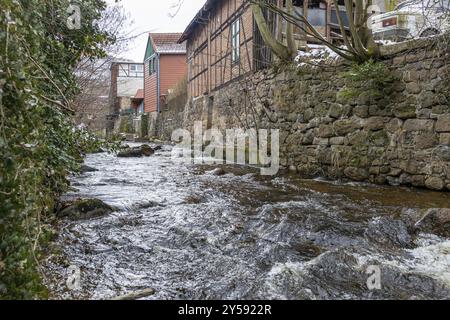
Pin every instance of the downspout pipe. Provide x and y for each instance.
(158, 82)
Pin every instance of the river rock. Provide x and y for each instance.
(87, 169)
(137, 152)
(357, 174)
(146, 205)
(389, 232)
(97, 151)
(436, 221)
(84, 209)
(435, 183)
(217, 172)
(410, 217)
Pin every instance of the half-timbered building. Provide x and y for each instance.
(224, 43)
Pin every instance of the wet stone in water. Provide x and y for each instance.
(436, 221)
(137, 152)
(87, 169)
(217, 172)
(389, 232)
(86, 209)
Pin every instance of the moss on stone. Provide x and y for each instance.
(86, 209)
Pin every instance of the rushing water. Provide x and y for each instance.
(192, 235)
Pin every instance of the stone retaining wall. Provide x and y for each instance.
(399, 137)
(171, 117)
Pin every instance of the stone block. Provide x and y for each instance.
(325, 131)
(361, 111)
(375, 123)
(426, 140)
(321, 141)
(345, 126)
(435, 183)
(394, 125)
(443, 123)
(427, 99)
(444, 139)
(424, 114)
(418, 181)
(443, 152)
(405, 110)
(357, 174)
(418, 125)
(413, 88)
(337, 141)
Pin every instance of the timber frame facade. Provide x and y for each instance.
(224, 43)
(212, 60)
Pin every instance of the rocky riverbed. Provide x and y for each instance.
(190, 233)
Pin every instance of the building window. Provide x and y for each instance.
(152, 66)
(136, 68)
(236, 42)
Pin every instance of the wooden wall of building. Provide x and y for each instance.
(150, 89)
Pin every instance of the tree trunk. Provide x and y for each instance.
(292, 47)
(360, 45)
(279, 49)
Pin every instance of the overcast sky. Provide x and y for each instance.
(153, 16)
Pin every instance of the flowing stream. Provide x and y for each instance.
(190, 234)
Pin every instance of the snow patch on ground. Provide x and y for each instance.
(386, 42)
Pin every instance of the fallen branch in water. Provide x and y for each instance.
(136, 295)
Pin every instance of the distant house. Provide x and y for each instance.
(224, 42)
(126, 79)
(165, 66)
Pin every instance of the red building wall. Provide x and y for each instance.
(173, 68)
(150, 90)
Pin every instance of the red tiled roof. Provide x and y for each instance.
(167, 42)
(165, 38)
(139, 94)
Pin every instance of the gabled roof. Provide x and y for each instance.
(139, 95)
(197, 19)
(165, 43)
